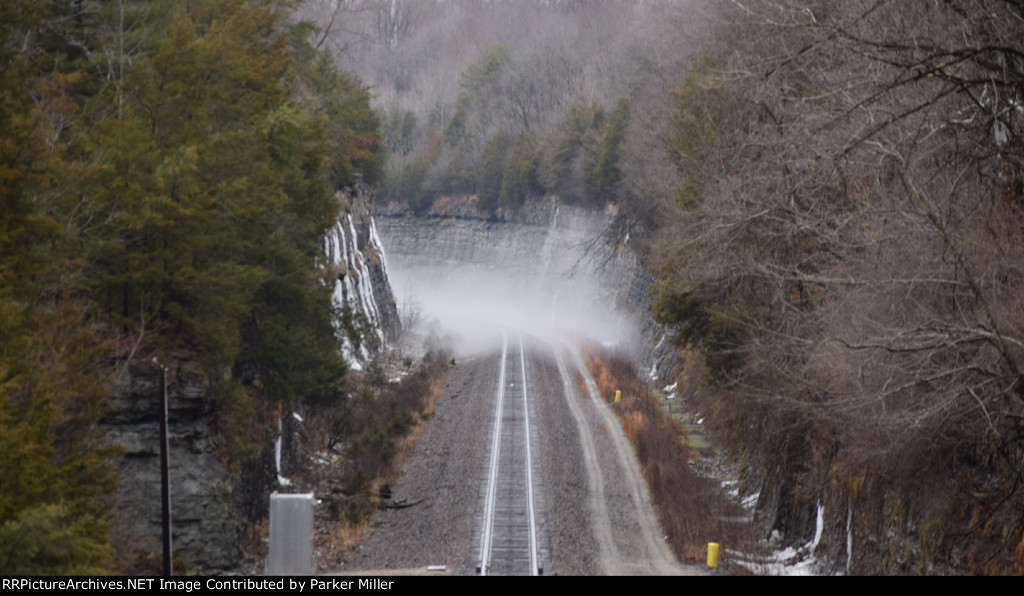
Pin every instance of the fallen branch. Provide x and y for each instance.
(399, 505)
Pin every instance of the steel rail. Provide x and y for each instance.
(534, 567)
(492, 474)
(502, 523)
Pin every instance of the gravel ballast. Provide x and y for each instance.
(591, 512)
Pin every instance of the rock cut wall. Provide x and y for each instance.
(357, 261)
(547, 267)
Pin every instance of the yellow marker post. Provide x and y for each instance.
(713, 555)
(618, 395)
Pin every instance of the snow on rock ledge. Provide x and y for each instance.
(362, 292)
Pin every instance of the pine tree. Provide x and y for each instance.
(166, 179)
(561, 169)
(608, 171)
(491, 170)
(51, 391)
(520, 179)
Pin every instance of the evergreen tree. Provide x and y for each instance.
(355, 148)
(491, 170)
(608, 170)
(561, 170)
(218, 178)
(166, 174)
(50, 390)
(520, 179)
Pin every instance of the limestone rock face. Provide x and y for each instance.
(545, 267)
(358, 266)
(209, 501)
(206, 527)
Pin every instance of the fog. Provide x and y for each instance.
(451, 79)
(464, 307)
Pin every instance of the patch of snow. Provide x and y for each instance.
(819, 526)
(378, 246)
(790, 560)
(277, 457)
(353, 288)
(849, 536)
(1001, 133)
(732, 487)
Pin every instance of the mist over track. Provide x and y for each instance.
(552, 273)
(596, 515)
(549, 281)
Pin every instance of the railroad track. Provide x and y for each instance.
(510, 536)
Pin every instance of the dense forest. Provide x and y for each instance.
(167, 171)
(845, 253)
(831, 194)
(503, 103)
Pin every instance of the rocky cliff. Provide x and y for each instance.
(207, 525)
(211, 501)
(358, 266)
(548, 268)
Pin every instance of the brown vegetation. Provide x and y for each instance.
(690, 507)
(350, 458)
(581, 385)
(405, 407)
(846, 257)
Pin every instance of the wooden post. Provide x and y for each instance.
(165, 479)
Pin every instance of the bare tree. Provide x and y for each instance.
(851, 261)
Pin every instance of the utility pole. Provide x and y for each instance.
(165, 481)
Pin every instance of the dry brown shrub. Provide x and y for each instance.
(690, 507)
(419, 394)
(581, 386)
(633, 422)
(1018, 556)
(606, 384)
(350, 517)
(335, 538)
